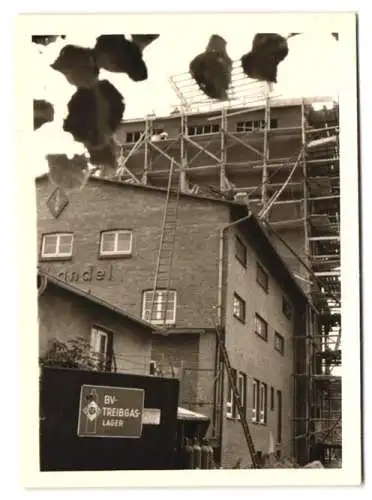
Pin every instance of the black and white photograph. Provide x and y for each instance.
(196, 311)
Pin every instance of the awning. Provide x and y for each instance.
(183, 414)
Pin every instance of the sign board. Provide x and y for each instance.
(114, 412)
(151, 416)
(57, 202)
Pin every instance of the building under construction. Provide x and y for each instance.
(185, 178)
(281, 158)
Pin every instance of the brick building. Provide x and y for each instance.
(119, 340)
(282, 157)
(105, 242)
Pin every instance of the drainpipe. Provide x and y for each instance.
(221, 320)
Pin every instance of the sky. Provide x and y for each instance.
(310, 69)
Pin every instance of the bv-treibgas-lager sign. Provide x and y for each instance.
(114, 412)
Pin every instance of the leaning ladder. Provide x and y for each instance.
(163, 267)
(236, 396)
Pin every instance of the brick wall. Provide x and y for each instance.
(64, 316)
(192, 357)
(103, 206)
(255, 357)
(179, 352)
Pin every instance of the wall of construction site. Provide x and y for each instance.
(244, 166)
(106, 205)
(286, 117)
(245, 169)
(261, 361)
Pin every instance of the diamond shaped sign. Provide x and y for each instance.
(57, 202)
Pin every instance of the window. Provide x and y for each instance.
(239, 308)
(279, 343)
(240, 251)
(164, 309)
(240, 380)
(263, 403)
(262, 277)
(280, 418)
(242, 389)
(274, 123)
(272, 396)
(260, 327)
(250, 125)
(259, 402)
(255, 400)
(230, 406)
(152, 367)
(101, 348)
(286, 308)
(57, 245)
(203, 129)
(133, 136)
(116, 243)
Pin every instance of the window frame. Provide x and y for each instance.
(230, 404)
(279, 396)
(287, 308)
(272, 398)
(260, 271)
(260, 404)
(133, 134)
(242, 389)
(56, 255)
(115, 253)
(203, 129)
(253, 125)
(241, 303)
(102, 361)
(278, 336)
(255, 400)
(238, 241)
(263, 405)
(264, 322)
(155, 322)
(274, 123)
(244, 126)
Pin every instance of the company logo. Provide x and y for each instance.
(92, 411)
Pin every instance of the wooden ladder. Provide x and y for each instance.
(164, 262)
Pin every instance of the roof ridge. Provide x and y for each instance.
(121, 183)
